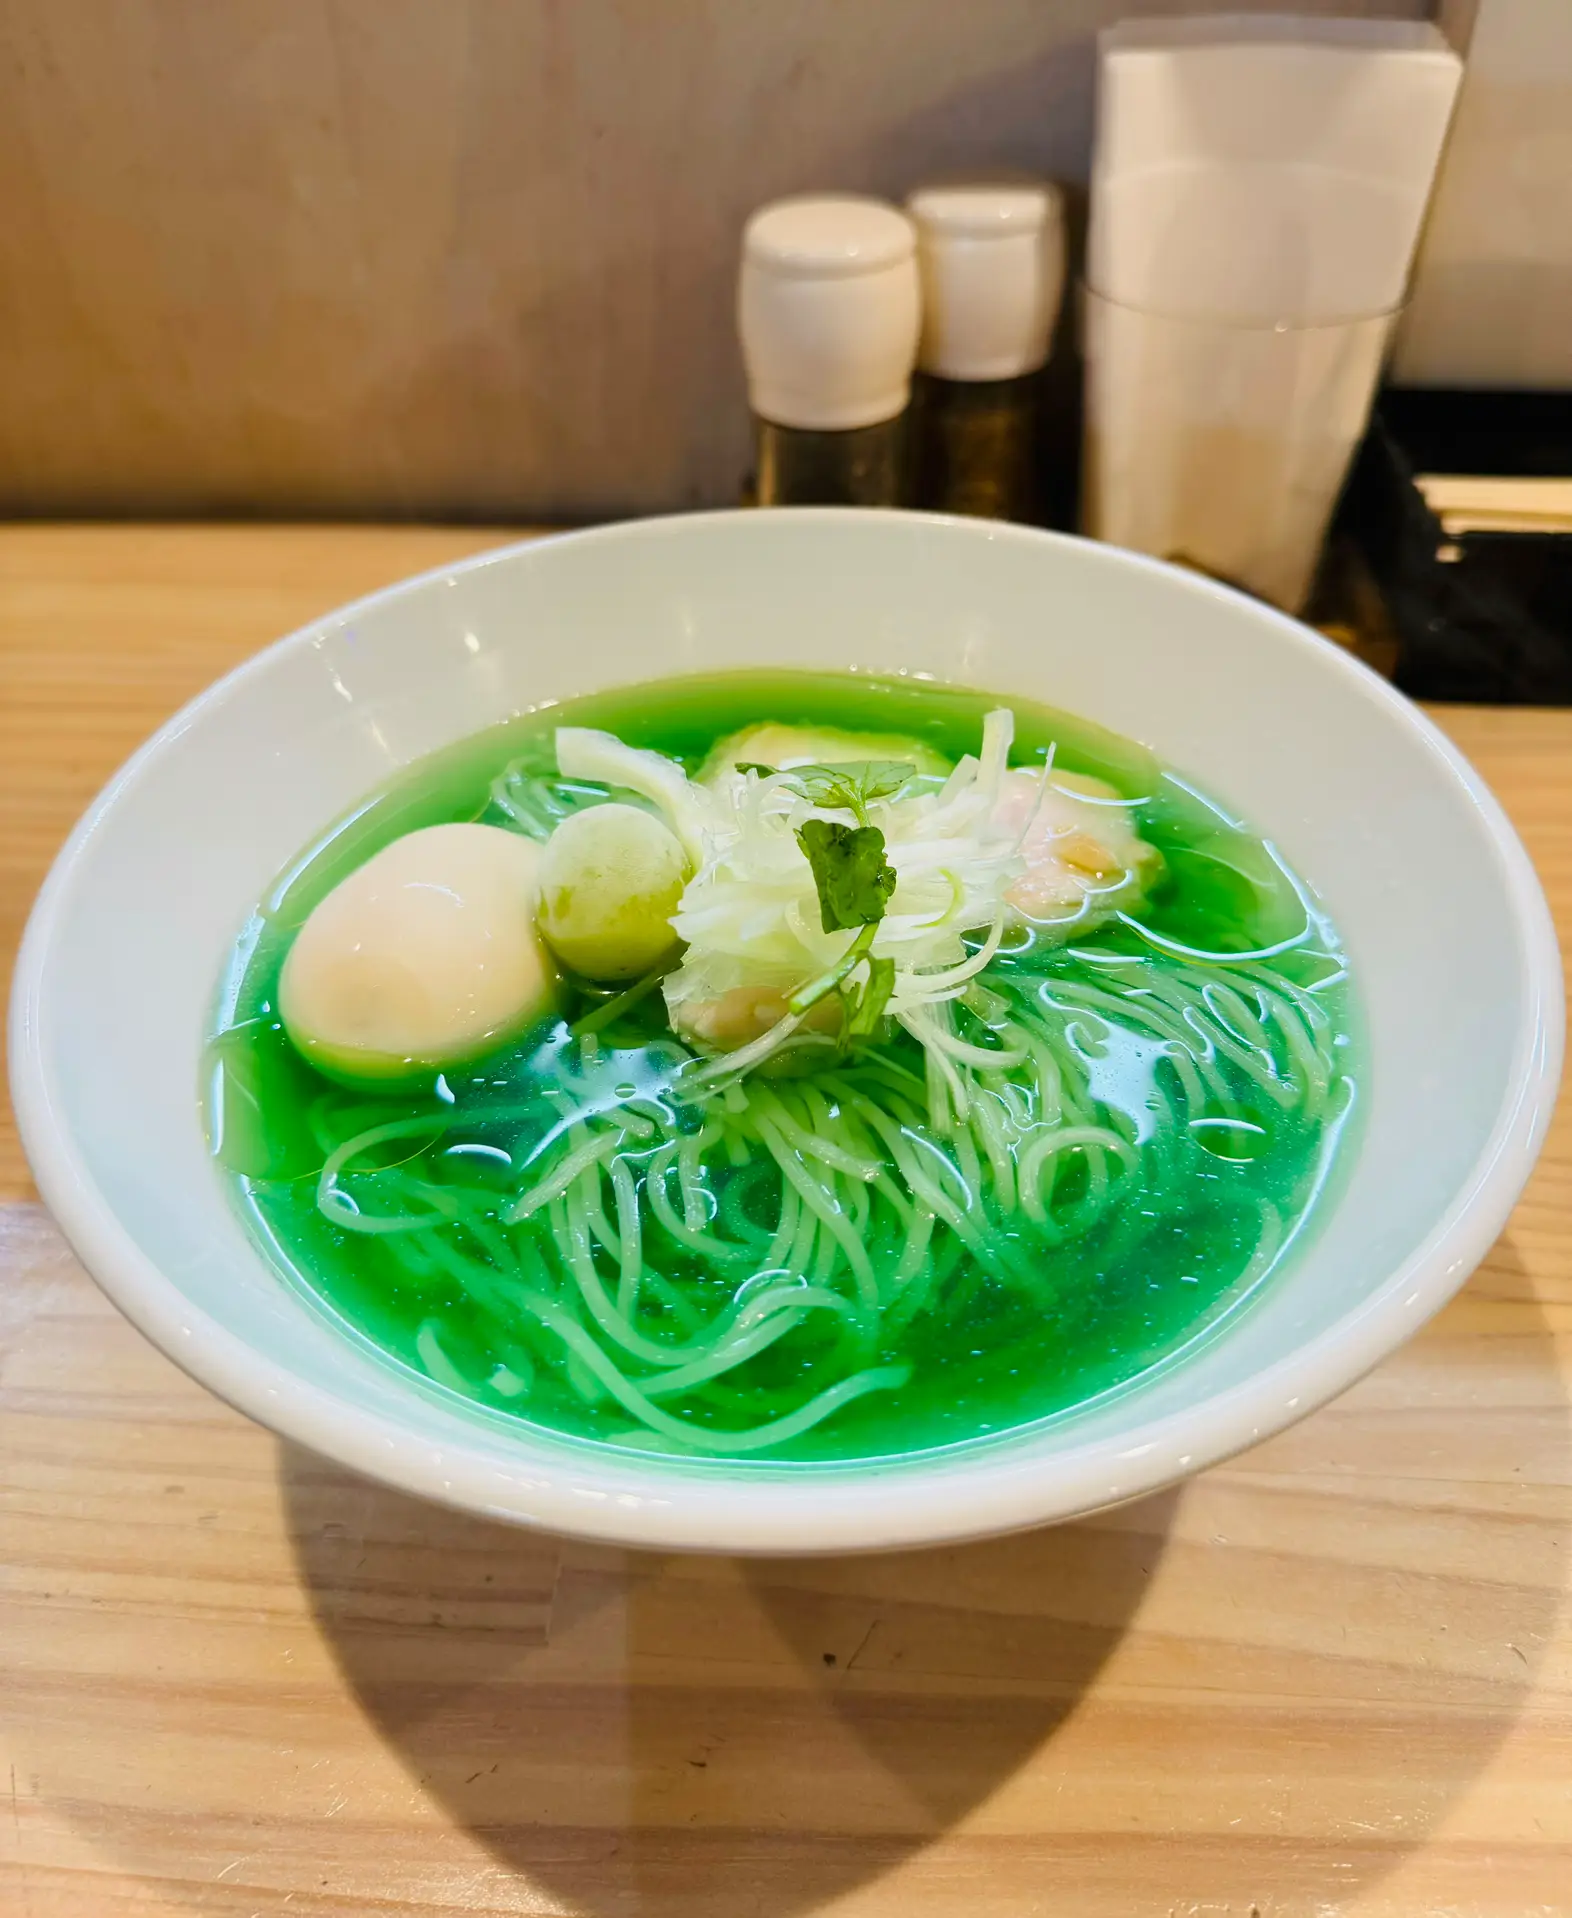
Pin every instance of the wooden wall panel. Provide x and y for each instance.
(438, 257)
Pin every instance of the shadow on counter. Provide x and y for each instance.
(636, 1734)
(691, 1737)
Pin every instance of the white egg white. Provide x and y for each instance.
(425, 957)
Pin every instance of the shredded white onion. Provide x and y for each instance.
(750, 916)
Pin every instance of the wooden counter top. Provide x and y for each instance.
(1333, 1677)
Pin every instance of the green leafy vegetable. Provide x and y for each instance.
(850, 788)
(853, 876)
(855, 881)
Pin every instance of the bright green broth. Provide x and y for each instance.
(1201, 1214)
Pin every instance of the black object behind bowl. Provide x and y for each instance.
(1482, 616)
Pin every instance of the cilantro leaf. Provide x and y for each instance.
(854, 880)
(849, 788)
(853, 876)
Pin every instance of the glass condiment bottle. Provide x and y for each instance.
(991, 259)
(828, 309)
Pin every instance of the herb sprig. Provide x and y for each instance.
(842, 788)
(854, 881)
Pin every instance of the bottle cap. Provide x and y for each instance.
(992, 260)
(829, 308)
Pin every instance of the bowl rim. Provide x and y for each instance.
(844, 1509)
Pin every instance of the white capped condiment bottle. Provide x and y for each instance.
(991, 259)
(828, 309)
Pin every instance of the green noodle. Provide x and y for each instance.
(608, 1234)
(791, 1182)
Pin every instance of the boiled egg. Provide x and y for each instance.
(425, 957)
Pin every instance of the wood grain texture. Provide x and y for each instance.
(1332, 1679)
(452, 258)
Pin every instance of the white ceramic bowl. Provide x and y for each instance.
(1452, 946)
